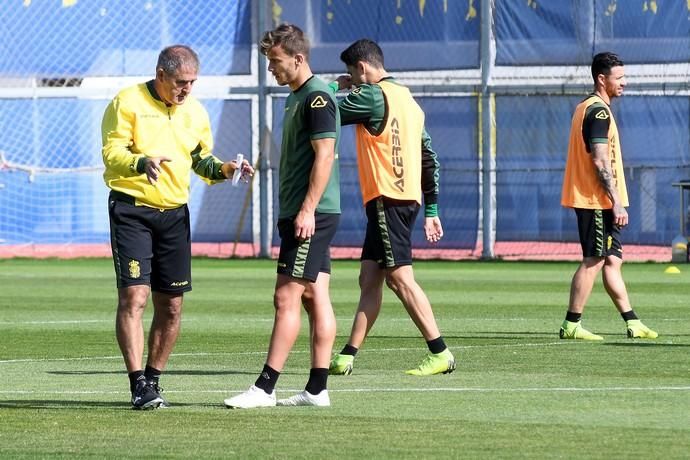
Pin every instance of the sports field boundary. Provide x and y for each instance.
(512, 250)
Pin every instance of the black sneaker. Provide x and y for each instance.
(164, 404)
(146, 396)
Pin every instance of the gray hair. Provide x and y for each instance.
(174, 57)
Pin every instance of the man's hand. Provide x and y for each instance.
(152, 168)
(620, 216)
(344, 82)
(433, 229)
(228, 169)
(305, 225)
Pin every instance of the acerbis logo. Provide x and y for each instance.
(318, 103)
(179, 283)
(602, 115)
(396, 157)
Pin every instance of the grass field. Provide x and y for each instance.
(518, 391)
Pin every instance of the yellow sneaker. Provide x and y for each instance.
(637, 330)
(570, 330)
(341, 365)
(439, 363)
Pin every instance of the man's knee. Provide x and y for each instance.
(593, 263)
(169, 305)
(132, 298)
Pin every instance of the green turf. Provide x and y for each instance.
(519, 391)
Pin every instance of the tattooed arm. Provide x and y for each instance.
(602, 163)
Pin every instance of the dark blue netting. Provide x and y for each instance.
(532, 143)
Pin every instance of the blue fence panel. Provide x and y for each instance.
(532, 139)
(543, 33)
(452, 123)
(644, 32)
(560, 32)
(531, 148)
(413, 35)
(656, 151)
(70, 207)
(222, 212)
(124, 37)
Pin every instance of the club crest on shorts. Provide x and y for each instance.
(134, 269)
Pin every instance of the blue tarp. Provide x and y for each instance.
(451, 122)
(532, 144)
(123, 37)
(71, 207)
(106, 37)
(567, 32)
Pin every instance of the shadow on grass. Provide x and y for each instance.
(487, 335)
(647, 344)
(60, 404)
(511, 335)
(171, 372)
(66, 404)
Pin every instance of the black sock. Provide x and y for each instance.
(134, 378)
(267, 379)
(628, 315)
(317, 380)
(152, 374)
(349, 350)
(573, 317)
(437, 345)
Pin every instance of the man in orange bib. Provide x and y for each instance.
(594, 186)
(397, 166)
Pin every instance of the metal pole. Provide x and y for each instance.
(488, 177)
(264, 161)
(1, 187)
(682, 210)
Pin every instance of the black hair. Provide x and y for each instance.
(602, 64)
(363, 50)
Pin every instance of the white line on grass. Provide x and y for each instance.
(86, 321)
(510, 390)
(245, 353)
(267, 320)
(74, 321)
(383, 390)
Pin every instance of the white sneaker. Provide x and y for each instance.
(306, 399)
(253, 397)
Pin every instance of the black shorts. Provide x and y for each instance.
(599, 237)
(388, 240)
(306, 259)
(150, 246)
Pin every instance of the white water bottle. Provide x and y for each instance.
(238, 172)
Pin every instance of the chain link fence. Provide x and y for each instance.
(62, 61)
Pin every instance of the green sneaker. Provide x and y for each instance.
(439, 363)
(341, 365)
(637, 330)
(570, 330)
